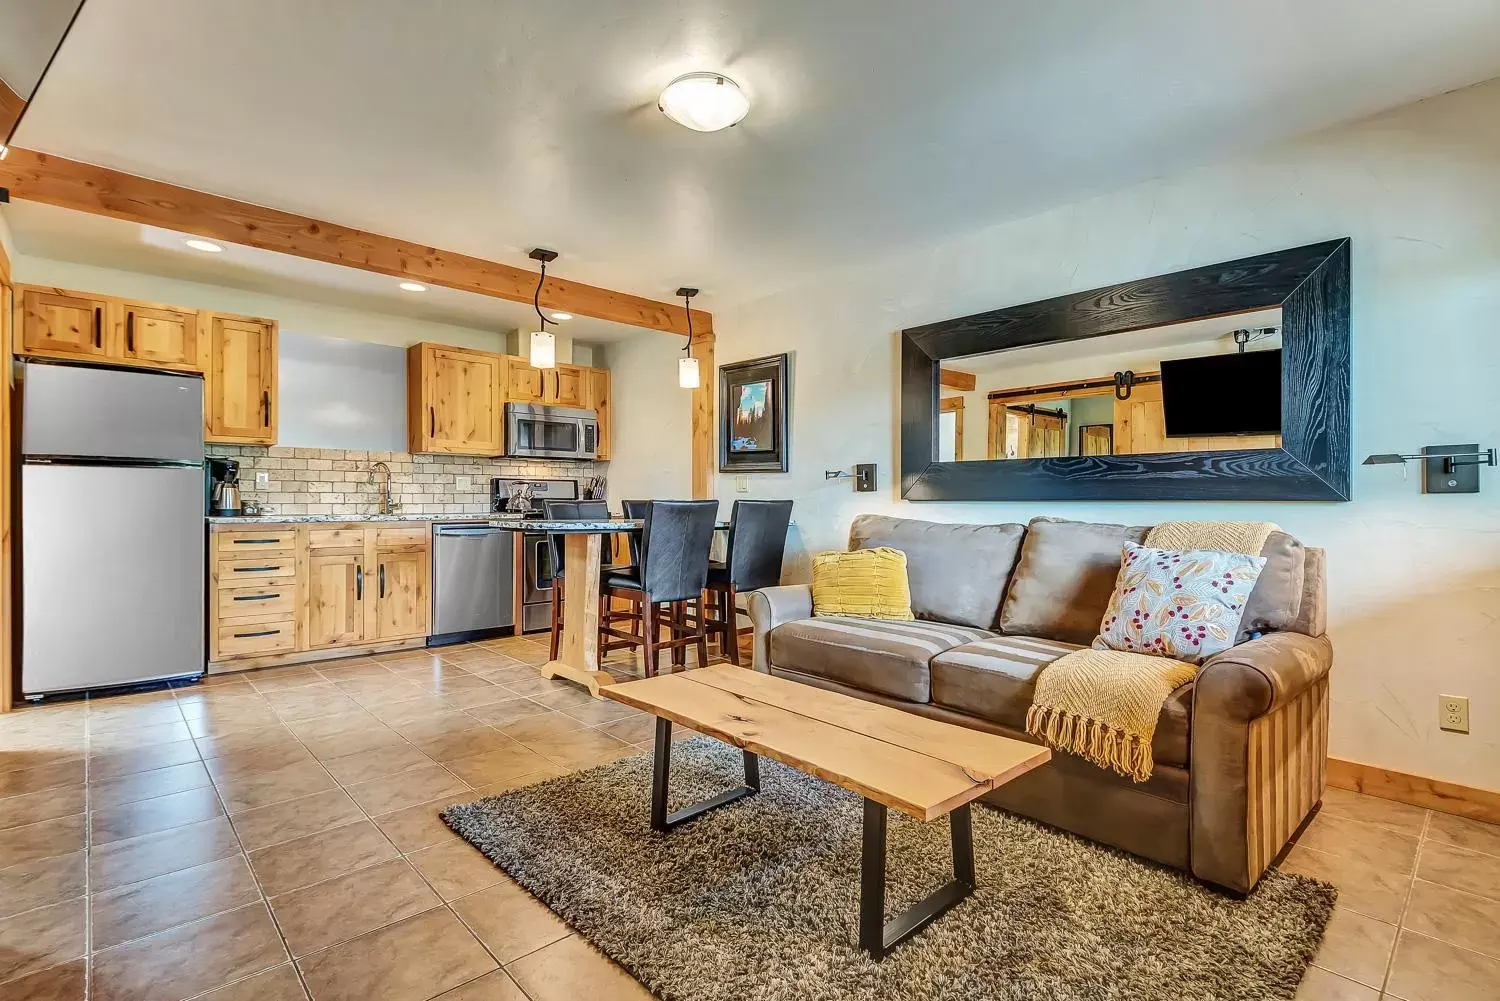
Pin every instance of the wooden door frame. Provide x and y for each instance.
(955, 405)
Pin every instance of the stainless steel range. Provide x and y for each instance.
(507, 494)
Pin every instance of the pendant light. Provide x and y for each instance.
(543, 344)
(687, 366)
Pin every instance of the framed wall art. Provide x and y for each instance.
(753, 416)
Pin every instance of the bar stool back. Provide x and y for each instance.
(757, 541)
(673, 567)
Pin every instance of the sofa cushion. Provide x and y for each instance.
(877, 655)
(1277, 597)
(864, 584)
(1062, 583)
(957, 573)
(995, 679)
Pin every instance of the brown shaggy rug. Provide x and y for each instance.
(758, 901)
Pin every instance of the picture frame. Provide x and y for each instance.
(753, 405)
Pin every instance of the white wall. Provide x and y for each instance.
(1414, 580)
(652, 420)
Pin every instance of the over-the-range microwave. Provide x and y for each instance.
(533, 431)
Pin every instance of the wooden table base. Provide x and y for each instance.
(578, 652)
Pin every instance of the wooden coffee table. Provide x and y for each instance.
(925, 768)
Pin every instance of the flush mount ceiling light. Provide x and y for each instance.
(543, 344)
(687, 366)
(205, 246)
(412, 287)
(704, 102)
(559, 317)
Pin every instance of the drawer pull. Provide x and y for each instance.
(256, 542)
(254, 569)
(261, 632)
(255, 597)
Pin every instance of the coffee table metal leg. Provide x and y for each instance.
(876, 935)
(661, 768)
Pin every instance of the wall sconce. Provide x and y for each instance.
(864, 477)
(1447, 469)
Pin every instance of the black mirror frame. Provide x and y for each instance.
(1310, 284)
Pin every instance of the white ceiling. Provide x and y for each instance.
(491, 126)
(29, 31)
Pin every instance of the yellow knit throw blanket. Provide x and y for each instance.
(1102, 705)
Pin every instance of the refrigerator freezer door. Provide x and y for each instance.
(111, 414)
(113, 593)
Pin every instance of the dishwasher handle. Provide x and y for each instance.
(470, 533)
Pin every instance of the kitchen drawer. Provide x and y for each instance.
(336, 538)
(249, 639)
(403, 535)
(233, 545)
(261, 603)
(251, 570)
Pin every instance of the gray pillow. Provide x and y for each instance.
(957, 573)
(1277, 596)
(1064, 580)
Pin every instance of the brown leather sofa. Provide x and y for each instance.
(1240, 751)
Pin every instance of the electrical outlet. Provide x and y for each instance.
(742, 484)
(262, 479)
(463, 484)
(1453, 713)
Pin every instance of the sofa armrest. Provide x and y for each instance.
(770, 607)
(1257, 765)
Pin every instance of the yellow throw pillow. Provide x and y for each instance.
(866, 583)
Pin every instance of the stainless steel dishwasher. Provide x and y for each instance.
(473, 575)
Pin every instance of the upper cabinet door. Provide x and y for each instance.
(597, 399)
(459, 407)
(523, 384)
(162, 338)
(565, 385)
(241, 381)
(57, 323)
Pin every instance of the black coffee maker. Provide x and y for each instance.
(224, 488)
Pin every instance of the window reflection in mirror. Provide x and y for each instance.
(1206, 385)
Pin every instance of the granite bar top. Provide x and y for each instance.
(570, 527)
(299, 519)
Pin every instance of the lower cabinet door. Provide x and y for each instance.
(336, 588)
(401, 598)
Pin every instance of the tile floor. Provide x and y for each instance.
(274, 836)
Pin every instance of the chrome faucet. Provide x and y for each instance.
(387, 505)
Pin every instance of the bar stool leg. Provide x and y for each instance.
(557, 586)
(648, 636)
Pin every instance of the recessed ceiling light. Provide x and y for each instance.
(704, 102)
(205, 246)
(562, 316)
(413, 287)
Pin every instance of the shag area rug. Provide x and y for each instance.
(759, 900)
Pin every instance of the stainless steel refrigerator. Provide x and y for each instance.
(112, 531)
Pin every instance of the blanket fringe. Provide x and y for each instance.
(1091, 739)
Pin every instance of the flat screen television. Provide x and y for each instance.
(1230, 394)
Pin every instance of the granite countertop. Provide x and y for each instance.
(572, 526)
(272, 519)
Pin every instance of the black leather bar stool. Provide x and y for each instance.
(560, 510)
(672, 567)
(752, 560)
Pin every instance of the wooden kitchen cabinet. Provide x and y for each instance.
(560, 386)
(523, 384)
(568, 385)
(455, 400)
(402, 580)
(335, 600)
(597, 399)
(56, 323)
(162, 337)
(240, 383)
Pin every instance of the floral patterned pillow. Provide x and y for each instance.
(1186, 605)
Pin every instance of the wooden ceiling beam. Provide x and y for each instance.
(53, 180)
(11, 106)
(952, 378)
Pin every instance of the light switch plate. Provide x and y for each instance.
(263, 479)
(1453, 713)
(742, 484)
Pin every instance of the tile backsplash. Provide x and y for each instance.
(340, 481)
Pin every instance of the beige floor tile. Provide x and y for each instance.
(571, 696)
(162, 902)
(191, 958)
(366, 737)
(45, 840)
(635, 730)
(1371, 810)
(29, 780)
(1378, 846)
(105, 716)
(434, 725)
(477, 698)
(111, 764)
(139, 736)
(1465, 833)
(1356, 947)
(503, 670)
(135, 859)
(373, 695)
(274, 679)
(538, 728)
(320, 856)
(509, 711)
(424, 707)
(581, 748)
(1460, 869)
(42, 882)
(599, 711)
(418, 827)
(1425, 969)
(64, 982)
(253, 790)
(1455, 917)
(279, 753)
(259, 741)
(147, 785)
(278, 984)
(478, 739)
(510, 921)
(39, 938)
(312, 701)
(504, 765)
(395, 792)
(465, 654)
(408, 658)
(295, 818)
(1320, 985)
(496, 986)
(456, 869)
(374, 763)
(148, 816)
(35, 807)
(1373, 891)
(447, 680)
(419, 957)
(572, 969)
(538, 685)
(324, 914)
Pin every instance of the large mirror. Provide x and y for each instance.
(30, 32)
(1229, 381)
(1199, 386)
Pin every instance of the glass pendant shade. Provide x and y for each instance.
(687, 373)
(543, 349)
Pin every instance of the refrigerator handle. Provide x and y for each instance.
(98, 326)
